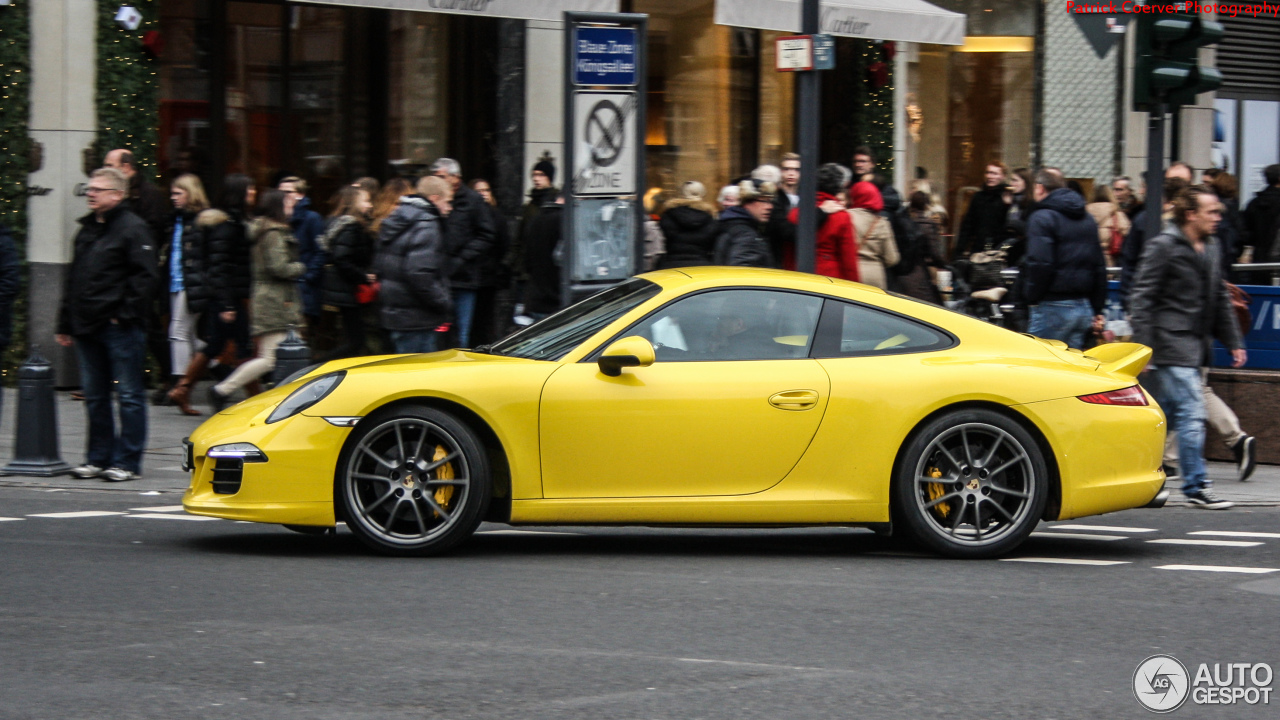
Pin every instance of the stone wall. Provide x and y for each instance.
(1081, 81)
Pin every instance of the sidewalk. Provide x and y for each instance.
(162, 470)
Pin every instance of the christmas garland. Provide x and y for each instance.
(15, 144)
(875, 123)
(128, 100)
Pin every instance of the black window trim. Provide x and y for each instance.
(831, 325)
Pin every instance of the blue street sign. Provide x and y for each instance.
(824, 52)
(604, 56)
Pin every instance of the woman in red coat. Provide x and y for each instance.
(836, 247)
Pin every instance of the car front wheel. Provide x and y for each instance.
(972, 484)
(414, 481)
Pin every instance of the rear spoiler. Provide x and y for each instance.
(1121, 358)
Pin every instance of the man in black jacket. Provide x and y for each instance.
(983, 226)
(470, 240)
(411, 263)
(542, 294)
(1064, 271)
(1262, 218)
(108, 293)
(741, 241)
(1178, 305)
(1176, 178)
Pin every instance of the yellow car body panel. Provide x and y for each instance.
(806, 441)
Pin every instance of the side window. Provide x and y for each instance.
(849, 330)
(733, 325)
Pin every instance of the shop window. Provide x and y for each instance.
(184, 88)
(418, 118)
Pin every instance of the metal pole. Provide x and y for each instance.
(1155, 170)
(810, 82)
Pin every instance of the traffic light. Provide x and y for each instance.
(1167, 67)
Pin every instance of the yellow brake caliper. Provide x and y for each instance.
(936, 491)
(445, 472)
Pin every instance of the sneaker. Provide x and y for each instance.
(86, 471)
(1246, 460)
(1170, 471)
(116, 474)
(1206, 499)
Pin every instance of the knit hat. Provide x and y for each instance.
(693, 190)
(752, 190)
(546, 168)
(865, 195)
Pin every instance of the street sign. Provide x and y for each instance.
(604, 146)
(604, 56)
(824, 52)
(604, 158)
(794, 52)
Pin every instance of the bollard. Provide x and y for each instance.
(292, 355)
(35, 443)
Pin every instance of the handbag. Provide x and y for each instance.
(986, 268)
(1240, 306)
(368, 292)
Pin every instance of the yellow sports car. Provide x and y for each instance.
(701, 396)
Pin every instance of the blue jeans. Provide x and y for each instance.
(464, 311)
(1179, 393)
(414, 341)
(114, 354)
(1065, 320)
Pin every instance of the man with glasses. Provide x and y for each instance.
(109, 288)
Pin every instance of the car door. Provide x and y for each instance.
(727, 408)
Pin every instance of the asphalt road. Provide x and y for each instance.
(149, 613)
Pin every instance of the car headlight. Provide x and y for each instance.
(247, 452)
(306, 396)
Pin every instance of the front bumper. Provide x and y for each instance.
(295, 486)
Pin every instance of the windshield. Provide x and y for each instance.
(552, 338)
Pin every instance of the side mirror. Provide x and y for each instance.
(632, 351)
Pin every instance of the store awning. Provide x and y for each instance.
(903, 20)
(519, 9)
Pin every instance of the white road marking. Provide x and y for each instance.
(159, 509)
(1065, 561)
(524, 532)
(161, 516)
(80, 514)
(1220, 568)
(1099, 528)
(1210, 543)
(1235, 533)
(3, 519)
(1078, 536)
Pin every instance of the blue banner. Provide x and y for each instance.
(604, 56)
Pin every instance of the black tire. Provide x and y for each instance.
(412, 481)
(972, 484)
(308, 529)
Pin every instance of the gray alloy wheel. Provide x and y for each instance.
(972, 484)
(414, 481)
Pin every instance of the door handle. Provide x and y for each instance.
(794, 399)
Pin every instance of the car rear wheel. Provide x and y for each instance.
(972, 484)
(414, 481)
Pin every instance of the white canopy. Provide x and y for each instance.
(904, 20)
(520, 9)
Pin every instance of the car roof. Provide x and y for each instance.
(714, 275)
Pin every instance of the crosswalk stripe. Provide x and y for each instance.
(159, 509)
(4, 519)
(1220, 569)
(1100, 528)
(1209, 543)
(1235, 533)
(80, 514)
(1065, 561)
(162, 516)
(1077, 536)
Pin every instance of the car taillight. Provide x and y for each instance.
(1127, 396)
